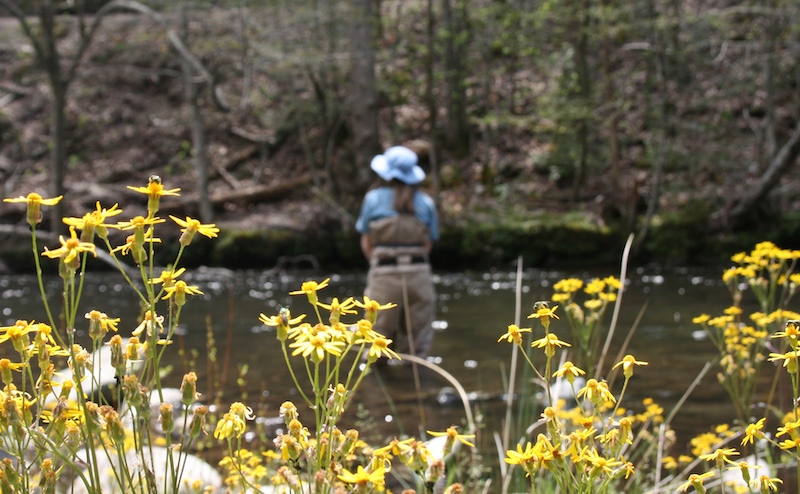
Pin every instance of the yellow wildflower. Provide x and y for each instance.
(18, 334)
(549, 343)
(569, 371)
(192, 226)
(600, 464)
(593, 304)
(168, 277)
(568, 285)
(543, 312)
(753, 432)
(396, 447)
(380, 347)
(229, 427)
(527, 458)
(6, 366)
(789, 360)
(362, 479)
(70, 248)
(150, 324)
(595, 392)
(316, 347)
(744, 468)
(793, 443)
(154, 191)
(514, 334)
(452, 436)
(282, 321)
(720, 456)
(791, 330)
(696, 480)
(769, 484)
(371, 308)
(94, 221)
(788, 428)
(310, 289)
(627, 364)
(180, 289)
(338, 309)
(100, 324)
(35, 203)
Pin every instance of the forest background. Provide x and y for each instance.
(549, 129)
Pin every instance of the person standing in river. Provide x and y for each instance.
(398, 225)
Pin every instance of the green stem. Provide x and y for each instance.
(619, 400)
(525, 354)
(547, 380)
(124, 272)
(294, 377)
(37, 262)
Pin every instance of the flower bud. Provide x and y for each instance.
(189, 389)
(72, 435)
(93, 421)
(167, 419)
(198, 423)
(114, 427)
(289, 412)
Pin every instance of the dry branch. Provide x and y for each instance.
(261, 193)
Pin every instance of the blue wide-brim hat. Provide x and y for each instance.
(398, 162)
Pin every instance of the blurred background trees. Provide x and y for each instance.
(623, 108)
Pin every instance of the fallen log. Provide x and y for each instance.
(261, 193)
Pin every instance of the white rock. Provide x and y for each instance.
(194, 471)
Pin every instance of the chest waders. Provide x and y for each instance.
(400, 273)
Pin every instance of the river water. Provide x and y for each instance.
(474, 309)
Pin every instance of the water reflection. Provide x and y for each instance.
(474, 309)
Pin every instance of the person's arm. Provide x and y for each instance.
(366, 245)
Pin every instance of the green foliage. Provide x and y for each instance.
(256, 248)
(539, 238)
(679, 236)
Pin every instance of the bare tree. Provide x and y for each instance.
(193, 85)
(61, 66)
(454, 19)
(363, 101)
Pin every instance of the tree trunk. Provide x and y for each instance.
(363, 100)
(658, 69)
(457, 131)
(612, 121)
(780, 164)
(199, 141)
(769, 82)
(58, 152)
(51, 60)
(580, 42)
(430, 101)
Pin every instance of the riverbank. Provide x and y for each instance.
(543, 240)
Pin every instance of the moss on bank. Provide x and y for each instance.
(543, 240)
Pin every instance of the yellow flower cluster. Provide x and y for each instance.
(580, 454)
(318, 341)
(70, 422)
(767, 271)
(573, 450)
(338, 353)
(585, 319)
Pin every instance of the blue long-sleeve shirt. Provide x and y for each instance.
(378, 204)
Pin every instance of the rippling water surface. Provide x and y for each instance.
(475, 308)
